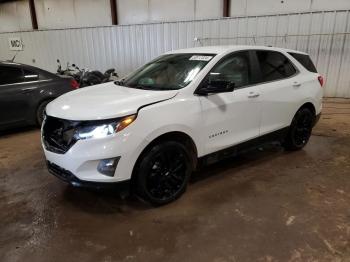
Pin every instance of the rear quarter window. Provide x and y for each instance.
(305, 60)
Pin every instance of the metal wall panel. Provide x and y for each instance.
(325, 35)
(15, 16)
(53, 14)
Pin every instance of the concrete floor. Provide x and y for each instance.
(266, 205)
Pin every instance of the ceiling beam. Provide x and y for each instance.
(6, 1)
(226, 9)
(33, 14)
(114, 12)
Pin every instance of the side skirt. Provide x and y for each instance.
(278, 135)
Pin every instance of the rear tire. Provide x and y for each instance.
(300, 130)
(40, 112)
(163, 172)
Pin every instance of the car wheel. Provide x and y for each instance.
(163, 172)
(40, 112)
(300, 130)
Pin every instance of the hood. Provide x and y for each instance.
(104, 101)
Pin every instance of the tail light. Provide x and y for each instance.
(321, 80)
(74, 84)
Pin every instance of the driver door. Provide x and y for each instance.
(13, 105)
(230, 118)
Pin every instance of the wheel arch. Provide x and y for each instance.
(39, 103)
(306, 104)
(309, 106)
(44, 99)
(290, 141)
(177, 136)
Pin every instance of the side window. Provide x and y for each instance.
(305, 60)
(30, 75)
(10, 75)
(234, 69)
(274, 66)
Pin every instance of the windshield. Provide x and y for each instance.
(168, 72)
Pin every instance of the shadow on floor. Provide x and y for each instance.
(116, 200)
(17, 131)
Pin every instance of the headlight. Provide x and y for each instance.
(104, 129)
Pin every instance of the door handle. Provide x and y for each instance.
(296, 84)
(253, 95)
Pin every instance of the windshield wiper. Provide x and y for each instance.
(119, 82)
(143, 87)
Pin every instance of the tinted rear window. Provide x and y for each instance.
(306, 61)
(274, 65)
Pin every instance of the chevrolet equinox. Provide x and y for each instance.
(189, 106)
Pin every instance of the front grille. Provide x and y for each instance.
(59, 172)
(58, 134)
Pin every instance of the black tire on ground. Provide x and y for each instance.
(300, 130)
(162, 173)
(40, 112)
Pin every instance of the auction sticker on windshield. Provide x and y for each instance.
(201, 57)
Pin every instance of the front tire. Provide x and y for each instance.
(163, 172)
(300, 130)
(40, 112)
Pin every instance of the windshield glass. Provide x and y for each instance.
(168, 72)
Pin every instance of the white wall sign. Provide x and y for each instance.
(15, 44)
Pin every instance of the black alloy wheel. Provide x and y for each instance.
(300, 129)
(163, 173)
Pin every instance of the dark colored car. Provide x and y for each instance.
(25, 91)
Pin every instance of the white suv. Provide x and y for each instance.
(205, 103)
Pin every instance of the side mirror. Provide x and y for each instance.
(214, 86)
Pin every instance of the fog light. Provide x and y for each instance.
(108, 166)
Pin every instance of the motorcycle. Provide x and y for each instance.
(68, 71)
(95, 77)
(85, 77)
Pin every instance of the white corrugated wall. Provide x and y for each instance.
(325, 35)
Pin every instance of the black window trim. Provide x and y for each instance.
(304, 54)
(29, 82)
(24, 82)
(255, 67)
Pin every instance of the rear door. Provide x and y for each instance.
(13, 104)
(279, 85)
